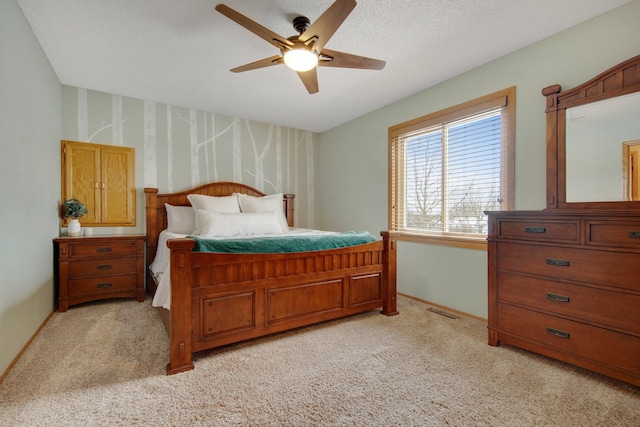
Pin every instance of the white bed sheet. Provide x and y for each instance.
(160, 265)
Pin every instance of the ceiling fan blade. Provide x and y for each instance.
(310, 80)
(347, 60)
(267, 62)
(257, 29)
(326, 25)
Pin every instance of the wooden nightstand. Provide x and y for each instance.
(98, 267)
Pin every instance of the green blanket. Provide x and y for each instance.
(280, 244)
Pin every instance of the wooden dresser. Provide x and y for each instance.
(565, 281)
(100, 267)
(567, 285)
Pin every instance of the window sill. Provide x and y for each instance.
(477, 243)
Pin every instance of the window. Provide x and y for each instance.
(449, 167)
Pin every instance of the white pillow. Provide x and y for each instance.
(227, 204)
(272, 203)
(180, 219)
(221, 224)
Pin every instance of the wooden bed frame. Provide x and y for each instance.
(221, 298)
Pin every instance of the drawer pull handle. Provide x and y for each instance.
(104, 249)
(104, 267)
(558, 333)
(535, 230)
(558, 298)
(634, 234)
(104, 285)
(558, 262)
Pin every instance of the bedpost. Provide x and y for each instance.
(151, 224)
(389, 307)
(288, 208)
(180, 313)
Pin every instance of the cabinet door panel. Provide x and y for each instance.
(81, 177)
(118, 189)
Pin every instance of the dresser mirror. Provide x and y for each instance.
(602, 142)
(593, 140)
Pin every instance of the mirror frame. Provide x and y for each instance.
(620, 80)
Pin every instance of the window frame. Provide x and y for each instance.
(506, 99)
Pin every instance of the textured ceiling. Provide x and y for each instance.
(180, 52)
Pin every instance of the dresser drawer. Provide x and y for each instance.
(98, 285)
(106, 249)
(102, 267)
(608, 308)
(543, 231)
(615, 234)
(616, 269)
(602, 345)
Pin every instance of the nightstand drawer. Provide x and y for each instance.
(543, 231)
(585, 341)
(607, 308)
(97, 285)
(102, 267)
(616, 234)
(106, 249)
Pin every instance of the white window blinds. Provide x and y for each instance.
(449, 168)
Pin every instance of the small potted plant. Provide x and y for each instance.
(74, 209)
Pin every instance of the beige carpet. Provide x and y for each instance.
(103, 364)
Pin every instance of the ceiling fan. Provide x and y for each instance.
(304, 52)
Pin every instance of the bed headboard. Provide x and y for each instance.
(156, 214)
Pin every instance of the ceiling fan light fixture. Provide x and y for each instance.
(303, 52)
(300, 60)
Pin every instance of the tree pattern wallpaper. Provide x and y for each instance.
(179, 148)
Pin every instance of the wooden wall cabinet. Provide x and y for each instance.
(102, 177)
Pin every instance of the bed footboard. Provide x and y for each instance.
(219, 299)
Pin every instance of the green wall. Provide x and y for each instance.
(351, 160)
(29, 181)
